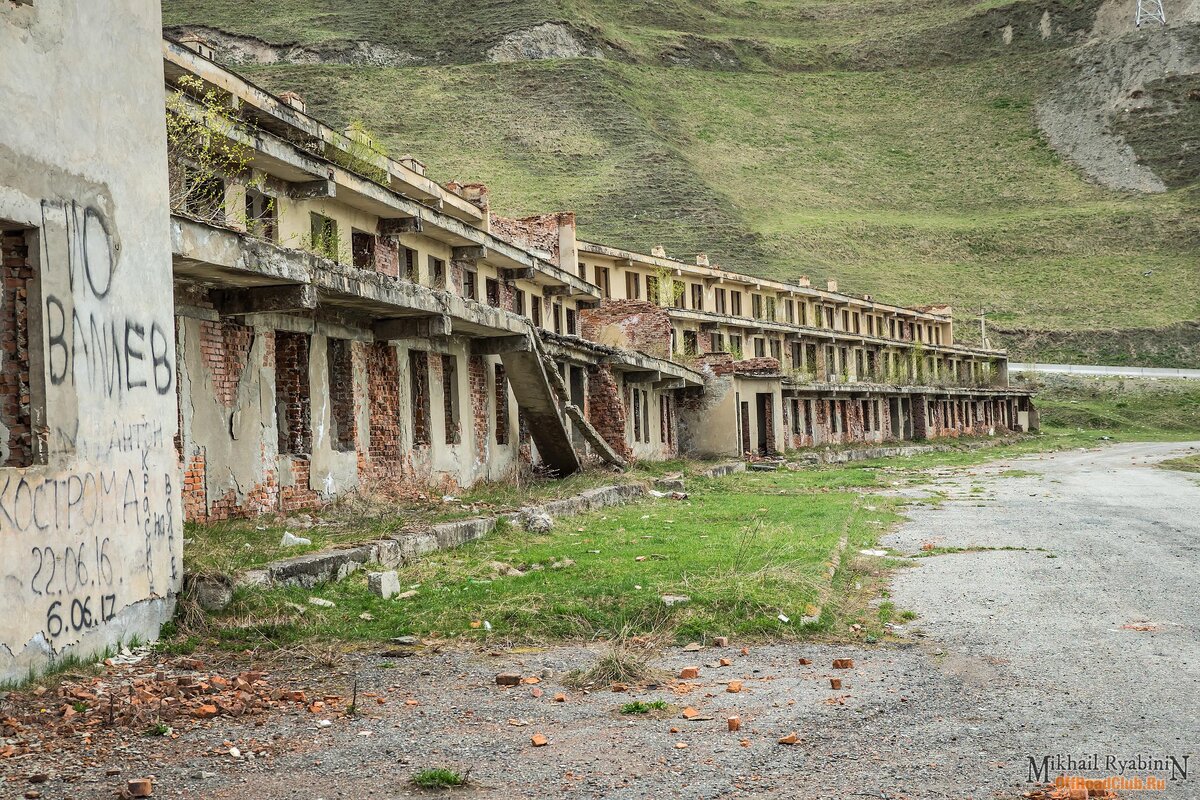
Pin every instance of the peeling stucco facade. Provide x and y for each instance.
(90, 513)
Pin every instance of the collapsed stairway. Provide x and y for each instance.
(542, 396)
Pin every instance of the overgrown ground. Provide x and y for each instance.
(890, 145)
(744, 549)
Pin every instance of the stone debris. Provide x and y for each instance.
(733, 687)
(292, 540)
(384, 584)
(720, 641)
(321, 602)
(539, 740)
(140, 787)
(843, 663)
(675, 599)
(835, 683)
(536, 521)
(689, 673)
(791, 738)
(734, 724)
(508, 679)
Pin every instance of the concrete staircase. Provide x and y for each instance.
(545, 401)
(538, 401)
(599, 444)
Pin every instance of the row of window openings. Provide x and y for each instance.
(761, 306)
(262, 221)
(293, 407)
(639, 404)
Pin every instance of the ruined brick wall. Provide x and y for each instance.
(387, 256)
(480, 413)
(16, 416)
(292, 392)
(383, 410)
(540, 232)
(225, 347)
(633, 324)
(605, 408)
(920, 423)
(763, 365)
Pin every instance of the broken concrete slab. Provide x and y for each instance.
(384, 584)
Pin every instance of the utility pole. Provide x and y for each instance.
(983, 327)
(1149, 11)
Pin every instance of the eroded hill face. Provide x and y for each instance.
(1012, 156)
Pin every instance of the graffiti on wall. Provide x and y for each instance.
(87, 344)
(97, 531)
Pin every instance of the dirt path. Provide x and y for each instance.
(1014, 654)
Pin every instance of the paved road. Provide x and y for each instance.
(1094, 369)
(1056, 640)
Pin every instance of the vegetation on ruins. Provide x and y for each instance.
(361, 153)
(208, 147)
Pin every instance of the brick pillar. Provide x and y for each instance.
(606, 411)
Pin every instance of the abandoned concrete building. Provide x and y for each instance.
(342, 322)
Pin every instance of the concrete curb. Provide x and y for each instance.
(868, 453)
(720, 470)
(325, 566)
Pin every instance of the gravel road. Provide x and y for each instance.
(1016, 652)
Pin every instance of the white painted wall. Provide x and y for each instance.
(90, 542)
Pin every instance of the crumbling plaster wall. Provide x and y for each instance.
(230, 449)
(91, 539)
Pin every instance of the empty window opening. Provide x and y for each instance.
(323, 234)
(362, 247)
(412, 269)
(719, 300)
(418, 376)
(735, 303)
(535, 306)
(572, 324)
(22, 395)
(602, 280)
(492, 288)
(653, 294)
(501, 405)
(450, 398)
(470, 281)
(261, 217)
(437, 272)
(339, 355)
(691, 343)
(698, 296)
(518, 301)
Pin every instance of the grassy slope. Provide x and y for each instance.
(928, 183)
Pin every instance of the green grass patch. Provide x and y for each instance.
(439, 778)
(746, 552)
(640, 707)
(1184, 464)
(233, 546)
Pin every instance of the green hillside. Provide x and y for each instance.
(892, 145)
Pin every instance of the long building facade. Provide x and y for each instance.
(261, 313)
